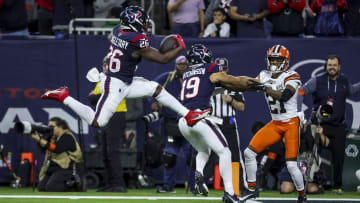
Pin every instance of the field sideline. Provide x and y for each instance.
(10, 195)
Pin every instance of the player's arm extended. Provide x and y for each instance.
(281, 95)
(152, 54)
(239, 83)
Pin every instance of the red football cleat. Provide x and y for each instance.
(58, 94)
(194, 116)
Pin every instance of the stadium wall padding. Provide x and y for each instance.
(30, 66)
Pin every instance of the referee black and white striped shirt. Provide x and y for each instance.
(221, 108)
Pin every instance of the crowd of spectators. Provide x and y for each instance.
(222, 18)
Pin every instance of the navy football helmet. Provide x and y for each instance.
(134, 18)
(198, 54)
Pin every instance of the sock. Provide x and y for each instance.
(225, 167)
(201, 160)
(250, 166)
(296, 175)
(169, 101)
(85, 112)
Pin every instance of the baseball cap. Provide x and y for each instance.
(180, 59)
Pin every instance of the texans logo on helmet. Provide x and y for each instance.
(133, 16)
(200, 52)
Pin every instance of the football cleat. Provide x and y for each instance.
(194, 116)
(302, 199)
(58, 94)
(200, 185)
(229, 199)
(247, 194)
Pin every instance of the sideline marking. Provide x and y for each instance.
(176, 198)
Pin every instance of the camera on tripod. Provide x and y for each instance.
(323, 112)
(25, 127)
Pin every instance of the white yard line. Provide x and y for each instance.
(176, 198)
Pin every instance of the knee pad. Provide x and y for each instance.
(249, 154)
(169, 160)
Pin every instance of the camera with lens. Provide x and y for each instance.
(74, 182)
(25, 127)
(323, 112)
(151, 117)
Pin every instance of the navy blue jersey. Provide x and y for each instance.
(197, 87)
(121, 63)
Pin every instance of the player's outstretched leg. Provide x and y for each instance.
(200, 184)
(230, 198)
(62, 95)
(194, 116)
(57, 95)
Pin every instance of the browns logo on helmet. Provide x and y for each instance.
(277, 58)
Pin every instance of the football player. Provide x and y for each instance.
(199, 82)
(280, 88)
(128, 45)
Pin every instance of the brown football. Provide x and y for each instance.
(168, 43)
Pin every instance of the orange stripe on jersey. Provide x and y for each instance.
(301, 92)
(52, 147)
(292, 77)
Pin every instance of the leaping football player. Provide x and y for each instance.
(128, 45)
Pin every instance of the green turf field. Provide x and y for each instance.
(10, 195)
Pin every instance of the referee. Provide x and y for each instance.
(224, 105)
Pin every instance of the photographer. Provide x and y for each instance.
(332, 88)
(63, 153)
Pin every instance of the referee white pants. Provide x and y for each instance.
(205, 136)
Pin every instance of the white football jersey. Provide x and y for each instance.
(281, 111)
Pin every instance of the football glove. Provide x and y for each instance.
(180, 41)
(257, 85)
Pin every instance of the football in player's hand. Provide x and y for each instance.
(168, 43)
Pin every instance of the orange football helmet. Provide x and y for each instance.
(277, 58)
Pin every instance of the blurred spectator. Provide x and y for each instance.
(249, 16)
(224, 4)
(134, 111)
(186, 17)
(102, 9)
(310, 19)
(218, 28)
(286, 17)
(13, 19)
(352, 18)
(45, 17)
(330, 15)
